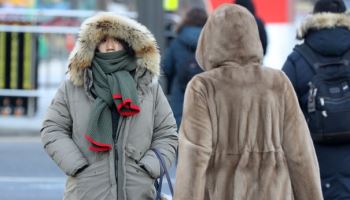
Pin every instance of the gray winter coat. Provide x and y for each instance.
(116, 174)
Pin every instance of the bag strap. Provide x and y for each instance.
(165, 171)
(309, 55)
(313, 59)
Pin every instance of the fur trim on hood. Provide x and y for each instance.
(96, 27)
(323, 20)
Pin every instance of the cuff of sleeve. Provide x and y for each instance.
(81, 166)
(151, 163)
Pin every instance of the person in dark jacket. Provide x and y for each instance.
(261, 25)
(179, 55)
(326, 32)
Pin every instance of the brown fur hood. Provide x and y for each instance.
(96, 27)
(244, 45)
(322, 20)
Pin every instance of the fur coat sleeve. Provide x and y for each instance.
(299, 150)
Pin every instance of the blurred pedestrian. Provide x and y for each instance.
(179, 64)
(243, 135)
(261, 25)
(326, 33)
(104, 121)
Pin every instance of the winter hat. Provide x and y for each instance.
(333, 6)
(248, 4)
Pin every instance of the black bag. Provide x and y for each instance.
(163, 171)
(328, 108)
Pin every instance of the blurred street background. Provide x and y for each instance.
(40, 35)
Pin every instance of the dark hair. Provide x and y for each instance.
(194, 17)
(333, 6)
(126, 46)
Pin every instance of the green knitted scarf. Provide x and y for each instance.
(114, 87)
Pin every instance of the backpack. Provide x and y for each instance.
(328, 105)
(189, 68)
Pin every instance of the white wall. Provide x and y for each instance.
(282, 39)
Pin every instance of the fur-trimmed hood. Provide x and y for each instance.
(96, 27)
(323, 20)
(221, 42)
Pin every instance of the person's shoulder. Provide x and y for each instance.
(199, 82)
(272, 72)
(295, 56)
(67, 86)
(154, 86)
(277, 75)
(67, 83)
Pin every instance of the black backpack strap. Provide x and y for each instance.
(312, 59)
(309, 55)
(315, 61)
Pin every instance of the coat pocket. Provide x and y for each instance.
(139, 183)
(94, 182)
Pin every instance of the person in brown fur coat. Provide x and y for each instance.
(243, 135)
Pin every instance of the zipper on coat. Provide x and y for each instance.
(115, 152)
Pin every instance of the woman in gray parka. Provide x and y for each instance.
(104, 121)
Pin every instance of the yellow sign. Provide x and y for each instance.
(170, 5)
(20, 3)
